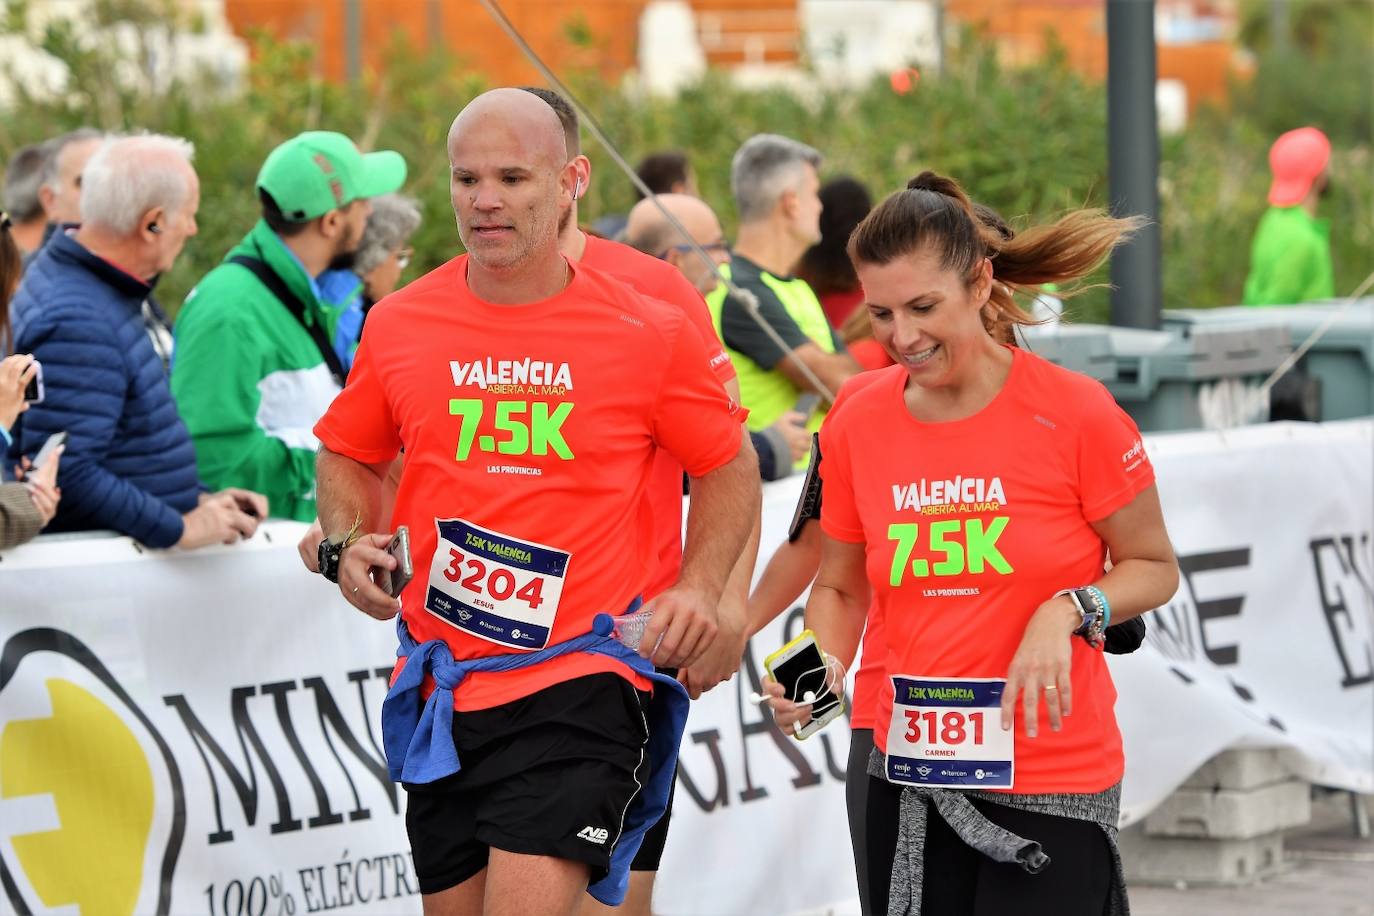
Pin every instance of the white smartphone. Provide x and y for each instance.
(50, 446)
(800, 668)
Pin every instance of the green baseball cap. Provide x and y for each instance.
(319, 171)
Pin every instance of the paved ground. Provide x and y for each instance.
(1328, 872)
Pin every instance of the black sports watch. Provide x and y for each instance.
(331, 550)
(329, 553)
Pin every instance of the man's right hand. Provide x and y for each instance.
(222, 518)
(309, 547)
(794, 433)
(355, 576)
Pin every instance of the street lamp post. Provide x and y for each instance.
(1133, 160)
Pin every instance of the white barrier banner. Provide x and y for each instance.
(197, 733)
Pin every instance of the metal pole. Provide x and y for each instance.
(1133, 160)
(1278, 26)
(353, 39)
(940, 37)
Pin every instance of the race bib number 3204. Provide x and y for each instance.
(495, 586)
(948, 732)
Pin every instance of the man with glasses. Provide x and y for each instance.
(256, 366)
(649, 231)
(783, 443)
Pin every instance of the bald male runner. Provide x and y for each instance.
(653, 277)
(528, 455)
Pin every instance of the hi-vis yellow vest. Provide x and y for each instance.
(767, 393)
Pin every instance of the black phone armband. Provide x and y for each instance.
(809, 502)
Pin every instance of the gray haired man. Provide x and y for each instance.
(86, 311)
(59, 188)
(775, 183)
(23, 175)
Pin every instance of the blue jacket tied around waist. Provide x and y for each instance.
(418, 733)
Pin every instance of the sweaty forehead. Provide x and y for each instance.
(508, 124)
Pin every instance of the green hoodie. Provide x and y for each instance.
(250, 382)
(1290, 259)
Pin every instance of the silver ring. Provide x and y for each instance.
(1047, 687)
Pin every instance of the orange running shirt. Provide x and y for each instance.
(529, 434)
(870, 354)
(652, 277)
(970, 525)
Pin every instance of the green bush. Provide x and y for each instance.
(1029, 141)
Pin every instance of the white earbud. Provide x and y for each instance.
(809, 696)
(758, 698)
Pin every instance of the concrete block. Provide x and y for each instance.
(1231, 815)
(1170, 860)
(1244, 768)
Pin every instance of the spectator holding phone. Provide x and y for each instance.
(85, 310)
(24, 507)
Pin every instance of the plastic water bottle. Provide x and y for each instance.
(627, 630)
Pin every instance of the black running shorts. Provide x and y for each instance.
(550, 774)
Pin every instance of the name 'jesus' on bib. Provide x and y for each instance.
(495, 586)
(948, 732)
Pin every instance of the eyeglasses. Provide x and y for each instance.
(403, 257)
(723, 247)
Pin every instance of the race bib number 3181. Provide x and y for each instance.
(948, 732)
(495, 586)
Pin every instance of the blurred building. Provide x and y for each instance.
(666, 42)
(1196, 57)
(662, 43)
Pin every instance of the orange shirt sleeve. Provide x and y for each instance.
(694, 419)
(839, 512)
(359, 423)
(1113, 467)
(684, 295)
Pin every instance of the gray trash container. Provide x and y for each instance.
(1342, 359)
(1196, 374)
(1085, 348)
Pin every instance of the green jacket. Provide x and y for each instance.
(1290, 259)
(250, 382)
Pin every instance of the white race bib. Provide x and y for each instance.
(948, 732)
(495, 586)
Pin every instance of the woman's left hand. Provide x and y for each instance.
(1042, 664)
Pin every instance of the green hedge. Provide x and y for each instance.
(1029, 141)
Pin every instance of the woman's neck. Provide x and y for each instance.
(972, 388)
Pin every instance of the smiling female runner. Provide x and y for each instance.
(980, 492)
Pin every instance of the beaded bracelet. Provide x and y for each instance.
(1100, 597)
